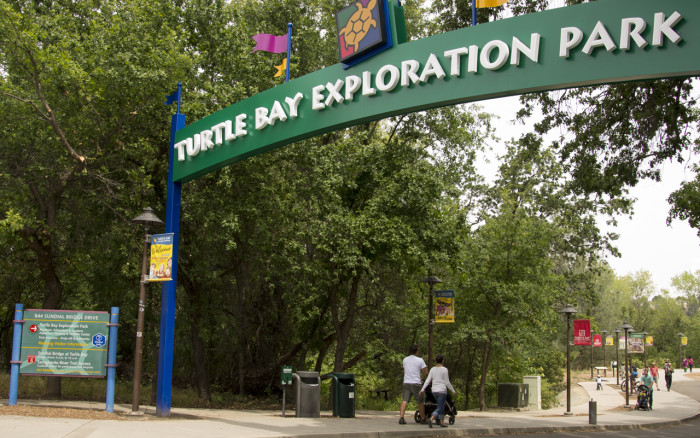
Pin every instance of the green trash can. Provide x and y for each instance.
(343, 394)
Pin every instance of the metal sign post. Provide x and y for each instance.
(286, 380)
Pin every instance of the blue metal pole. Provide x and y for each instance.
(16, 347)
(167, 302)
(112, 357)
(179, 96)
(473, 12)
(289, 49)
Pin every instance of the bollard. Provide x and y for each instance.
(592, 412)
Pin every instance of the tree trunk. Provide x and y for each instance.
(352, 362)
(155, 294)
(154, 382)
(240, 312)
(327, 342)
(342, 330)
(484, 371)
(199, 366)
(198, 353)
(469, 376)
(53, 293)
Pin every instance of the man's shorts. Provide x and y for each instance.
(412, 389)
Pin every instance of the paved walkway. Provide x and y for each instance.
(669, 408)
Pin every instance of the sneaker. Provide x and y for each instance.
(422, 420)
(402, 421)
(443, 425)
(430, 422)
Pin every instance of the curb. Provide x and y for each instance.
(461, 432)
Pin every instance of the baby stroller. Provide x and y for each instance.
(645, 398)
(431, 405)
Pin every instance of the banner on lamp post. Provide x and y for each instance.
(609, 340)
(444, 306)
(636, 343)
(582, 332)
(684, 340)
(161, 257)
(597, 340)
(650, 341)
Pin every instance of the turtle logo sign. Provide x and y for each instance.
(361, 30)
(99, 340)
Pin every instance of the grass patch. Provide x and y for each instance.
(95, 390)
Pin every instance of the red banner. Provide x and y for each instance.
(597, 340)
(582, 332)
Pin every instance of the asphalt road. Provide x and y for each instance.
(685, 430)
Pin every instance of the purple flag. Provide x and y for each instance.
(270, 43)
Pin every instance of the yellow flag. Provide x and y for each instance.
(281, 68)
(489, 3)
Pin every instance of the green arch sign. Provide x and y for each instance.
(601, 42)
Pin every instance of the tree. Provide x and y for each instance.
(520, 261)
(311, 254)
(688, 284)
(79, 82)
(641, 289)
(667, 319)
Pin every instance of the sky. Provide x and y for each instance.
(646, 242)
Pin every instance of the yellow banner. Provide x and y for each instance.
(684, 340)
(609, 340)
(444, 306)
(489, 3)
(161, 257)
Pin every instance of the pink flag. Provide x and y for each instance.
(270, 43)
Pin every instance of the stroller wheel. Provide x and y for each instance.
(451, 421)
(416, 416)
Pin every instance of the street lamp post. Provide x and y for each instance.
(430, 280)
(627, 328)
(568, 310)
(617, 355)
(680, 349)
(605, 342)
(591, 354)
(147, 219)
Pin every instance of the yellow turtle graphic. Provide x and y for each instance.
(359, 24)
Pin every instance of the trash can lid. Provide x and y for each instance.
(308, 373)
(344, 375)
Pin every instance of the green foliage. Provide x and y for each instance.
(310, 255)
(685, 201)
(550, 391)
